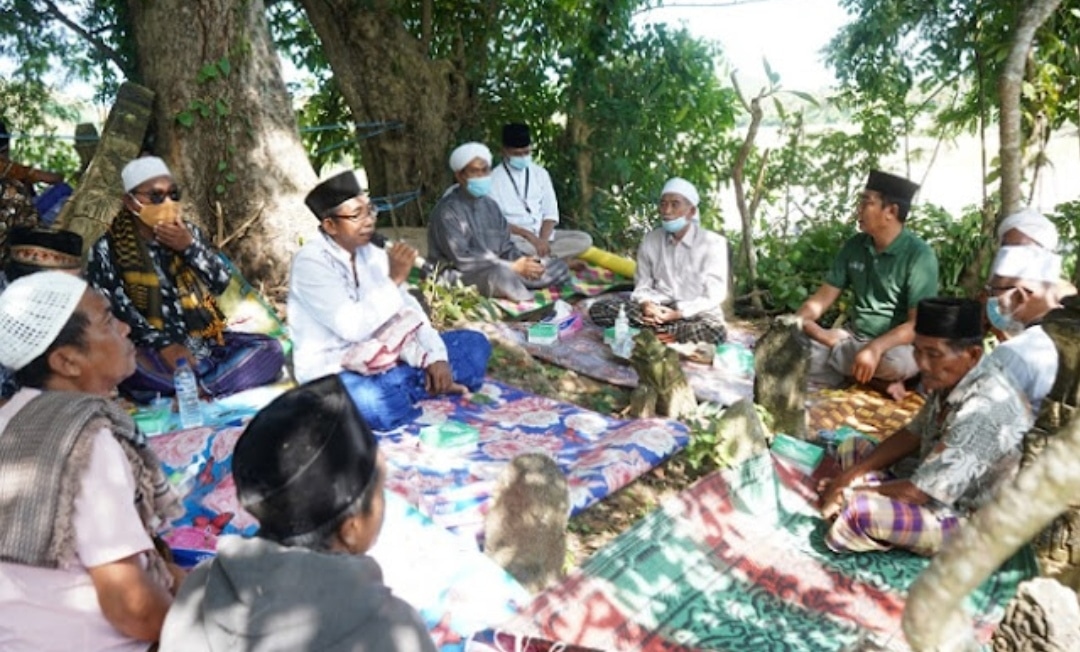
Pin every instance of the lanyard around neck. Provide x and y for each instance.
(517, 191)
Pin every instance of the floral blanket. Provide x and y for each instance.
(738, 562)
(598, 454)
(454, 586)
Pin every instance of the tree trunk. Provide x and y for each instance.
(385, 74)
(738, 177)
(226, 127)
(1009, 86)
(578, 131)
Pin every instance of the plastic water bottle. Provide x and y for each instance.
(187, 395)
(621, 344)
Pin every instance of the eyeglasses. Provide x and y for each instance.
(158, 196)
(369, 212)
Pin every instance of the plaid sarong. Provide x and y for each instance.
(701, 328)
(870, 521)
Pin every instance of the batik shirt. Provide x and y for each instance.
(200, 256)
(971, 439)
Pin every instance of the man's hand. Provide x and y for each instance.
(542, 246)
(401, 261)
(830, 337)
(831, 493)
(865, 364)
(174, 235)
(172, 354)
(654, 314)
(439, 380)
(528, 267)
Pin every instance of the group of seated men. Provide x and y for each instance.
(308, 467)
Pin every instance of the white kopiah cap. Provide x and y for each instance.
(464, 154)
(143, 169)
(682, 187)
(1028, 263)
(33, 309)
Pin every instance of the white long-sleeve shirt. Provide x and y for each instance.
(691, 273)
(334, 303)
(526, 197)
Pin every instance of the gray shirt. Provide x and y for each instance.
(469, 234)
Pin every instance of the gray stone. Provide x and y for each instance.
(525, 529)
(1043, 617)
(781, 363)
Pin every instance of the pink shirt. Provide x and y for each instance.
(45, 609)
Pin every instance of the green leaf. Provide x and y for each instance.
(222, 107)
(219, 189)
(806, 97)
(774, 78)
(222, 166)
(224, 66)
(207, 72)
(185, 118)
(230, 177)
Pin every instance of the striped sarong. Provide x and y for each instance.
(244, 361)
(702, 328)
(870, 521)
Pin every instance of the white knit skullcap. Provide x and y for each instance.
(143, 169)
(33, 309)
(1027, 263)
(465, 154)
(1034, 225)
(682, 187)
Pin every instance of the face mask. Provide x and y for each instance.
(675, 225)
(1001, 321)
(479, 186)
(153, 214)
(519, 162)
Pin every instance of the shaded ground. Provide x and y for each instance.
(593, 528)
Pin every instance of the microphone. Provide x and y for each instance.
(425, 267)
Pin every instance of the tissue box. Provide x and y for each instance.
(804, 455)
(543, 333)
(567, 325)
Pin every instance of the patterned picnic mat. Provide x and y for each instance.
(861, 408)
(587, 281)
(738, 562)
(584, 352)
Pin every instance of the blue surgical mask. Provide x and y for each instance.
(675, 225)
(479, 186)
(519, 162)
(1001, 321)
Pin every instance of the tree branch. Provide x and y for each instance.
(100, 46)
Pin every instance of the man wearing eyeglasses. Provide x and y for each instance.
(888, 270)
(350, 312)
(161, 275)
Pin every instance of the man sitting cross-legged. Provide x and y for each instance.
(469, 237)
(161, 275)
(350, 310)
(309, 469)
(889, 270)
(81, 492)
(967, 439)
(682, 275)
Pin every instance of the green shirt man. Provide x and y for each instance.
(889, 270)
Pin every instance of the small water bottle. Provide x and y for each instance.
(187, 395)
(621, 339)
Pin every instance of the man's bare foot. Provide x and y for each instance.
(895, 390)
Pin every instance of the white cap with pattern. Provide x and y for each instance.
(33, 309)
